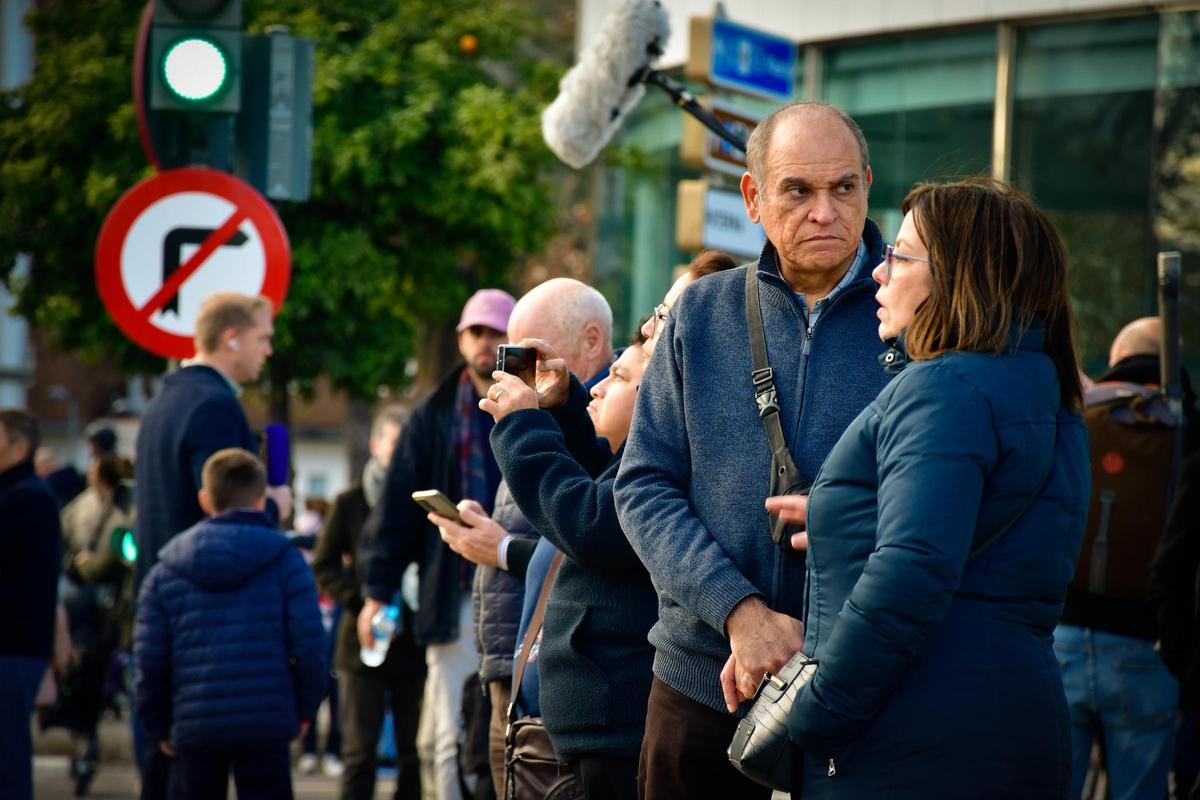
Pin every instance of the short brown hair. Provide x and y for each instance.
(109, 469)
(391, 414)
(20, 426)
(233, 478)
(710, 262)
(759, 143)
(996, 260)
(224, 310)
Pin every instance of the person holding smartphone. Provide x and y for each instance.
(444, 447)
(560, 454)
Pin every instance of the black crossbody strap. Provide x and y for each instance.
(785, 477)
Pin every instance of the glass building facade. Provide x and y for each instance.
(1098, 118)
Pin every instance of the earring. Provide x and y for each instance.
(233, 344)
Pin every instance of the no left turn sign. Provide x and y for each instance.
(178, 237)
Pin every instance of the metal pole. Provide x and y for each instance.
(1168, 313)
(685, 100)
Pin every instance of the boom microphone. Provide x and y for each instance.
(278, 455)
(607, 82)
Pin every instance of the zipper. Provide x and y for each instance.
(832, 768)
(850, 291)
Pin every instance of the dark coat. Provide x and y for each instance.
(339, 537)
(398, 534)
(1173, 579)
(938, 680)
(497, 597)
(595, 662)
(228, 641)
(194, 415)
(31, 544)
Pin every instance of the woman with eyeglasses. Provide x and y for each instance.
(944, 527)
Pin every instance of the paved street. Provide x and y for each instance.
(117, 777)
(120, 781)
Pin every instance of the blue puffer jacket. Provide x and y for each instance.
(229, 644)
(938, 680)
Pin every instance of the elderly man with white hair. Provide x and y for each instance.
(575, 320)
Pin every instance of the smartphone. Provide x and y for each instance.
(438, 503)
(519, 361)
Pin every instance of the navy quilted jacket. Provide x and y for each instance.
(937, 677)
(228, 641)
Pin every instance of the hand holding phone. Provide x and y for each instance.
(519, 361)
(434, 501)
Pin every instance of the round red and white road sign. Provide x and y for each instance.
(178, 237)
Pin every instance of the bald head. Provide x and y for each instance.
(573, 317)
(1142, 337)
(761, 141)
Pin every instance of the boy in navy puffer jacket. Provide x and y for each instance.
(228, 643)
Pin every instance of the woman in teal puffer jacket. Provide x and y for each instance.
(937, 678)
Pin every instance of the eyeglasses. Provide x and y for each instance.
(890, 255)
(660, 315)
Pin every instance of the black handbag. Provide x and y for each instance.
(761, 748)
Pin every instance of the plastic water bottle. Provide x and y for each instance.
(383, 626)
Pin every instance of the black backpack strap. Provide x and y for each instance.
(785, 477)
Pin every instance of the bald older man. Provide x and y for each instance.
(576, 321)
(1116, 685)
(695, 475)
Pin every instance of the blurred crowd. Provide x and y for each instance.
(568, 570)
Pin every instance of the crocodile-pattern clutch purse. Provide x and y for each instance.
(761, 749)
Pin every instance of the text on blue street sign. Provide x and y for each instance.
(752, 61)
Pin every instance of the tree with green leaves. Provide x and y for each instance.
(429, 174)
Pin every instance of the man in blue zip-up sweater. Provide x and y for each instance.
(695, 475)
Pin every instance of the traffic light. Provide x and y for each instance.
(195, 54)
(206, 93)
(122, 542)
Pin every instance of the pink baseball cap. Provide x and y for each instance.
(487, 307)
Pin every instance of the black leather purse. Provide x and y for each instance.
(761, 749)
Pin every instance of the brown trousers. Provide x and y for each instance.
(684, 751)
(499, 692)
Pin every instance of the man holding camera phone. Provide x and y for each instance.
(576, 322)
(691, 491)
(444, 447)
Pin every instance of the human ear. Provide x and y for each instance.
(750, 197)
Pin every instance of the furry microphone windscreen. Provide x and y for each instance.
(595, 95)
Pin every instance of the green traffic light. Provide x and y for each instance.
(128, 547)
(122, 541)
(196, 69)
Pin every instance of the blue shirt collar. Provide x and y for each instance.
(852, 275)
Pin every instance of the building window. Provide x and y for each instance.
(318, 486)
(1177, 162)
(924, 103)
(1083, 116)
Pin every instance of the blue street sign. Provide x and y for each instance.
(752, 61)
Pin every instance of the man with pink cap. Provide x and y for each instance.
(445, 447)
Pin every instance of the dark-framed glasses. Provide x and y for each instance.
(890, 256)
